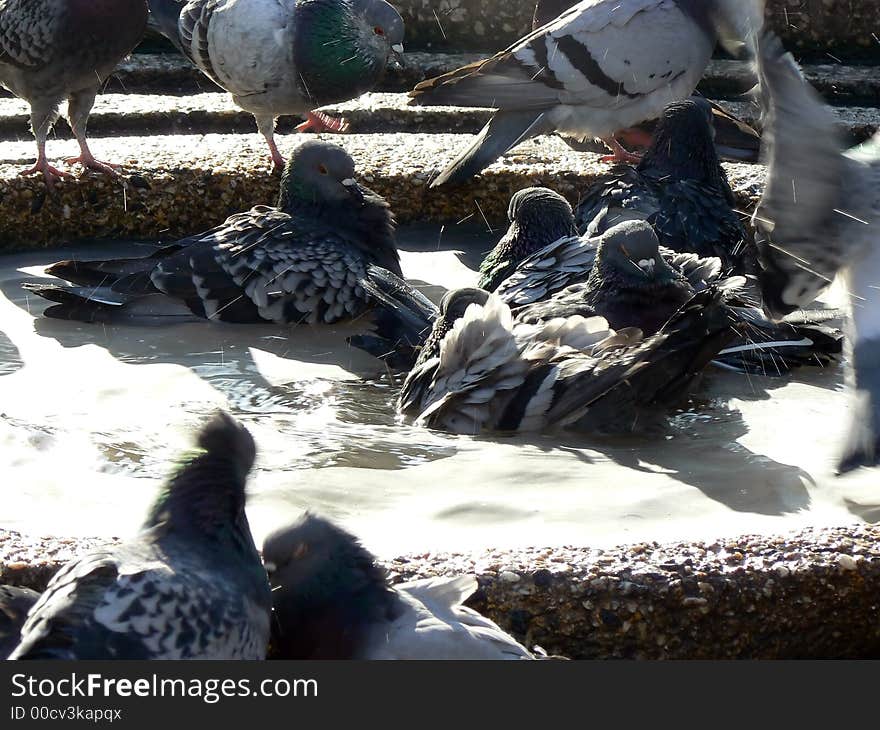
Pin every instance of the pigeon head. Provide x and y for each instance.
(206, 494)
(384, 27)
(324, 583)
(538, 217)
(455, 302)
(319, 172)
(631, 249)
(683, 147)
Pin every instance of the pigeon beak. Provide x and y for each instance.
(397, 52)
(647, 265)
(354, 190)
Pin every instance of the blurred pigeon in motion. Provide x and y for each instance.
(332, 600)
(14, 606)
(820, 215)
(280, 57)
(734, 139)
(489, 372)
(600, 67)
(538, 217)
(189, 585)
(633, 282)
(56, 50)
(312, 259)
(680, 188)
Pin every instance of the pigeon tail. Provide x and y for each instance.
(403, 319)
(503, 132)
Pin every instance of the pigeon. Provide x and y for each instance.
(819, 216)
(734, 139)
(600, 67)
(680, 188)
(56, 50)
(189, 585)
(14, 606)
(280, 57)
(332, 600)
(538, 217)
(491, 373)
(633, 282)
(308, 260)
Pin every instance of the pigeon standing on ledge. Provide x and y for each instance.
(52, 50)
(332, 600)
(734, 139)
(820, 215)
(600, 67)
(280, 57)
(190, 585)
(307, 261)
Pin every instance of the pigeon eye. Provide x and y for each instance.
(378, 31)
(300, 551)
(322, 169)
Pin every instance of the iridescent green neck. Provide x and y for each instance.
(333, 61)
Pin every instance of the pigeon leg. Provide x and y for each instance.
(619, 154)
(79, 105)
(636, 137)
(42, 118)
(266, 127)
(319, 122)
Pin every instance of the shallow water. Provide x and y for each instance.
(91, 416)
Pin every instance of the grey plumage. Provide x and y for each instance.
(15, 603)
(57, 50)
(601, 66)
(280, 57)
(819, 215)
(680, 188)
(306, 261)
(189, 585)
(332, 600)
(490, 373)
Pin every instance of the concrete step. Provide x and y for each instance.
(137, 114)
(180, 184)
(172, 73)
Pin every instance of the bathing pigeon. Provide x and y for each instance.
(680, 188)
(734, 139)
(538, 217)
(14, 606)
(189, 585)
(308, 260)
(332, 600)
(820, 215)
(490, 373)
(633, 282)
(600, 67)
(56, 50)
(280, 57)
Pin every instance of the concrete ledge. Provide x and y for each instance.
(812, 594)
(847, 28)
(171, 73)
(179, 185)
(119, 114)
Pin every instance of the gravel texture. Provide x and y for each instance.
(179, 185)
(811, 594)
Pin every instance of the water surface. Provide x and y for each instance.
(91, 416)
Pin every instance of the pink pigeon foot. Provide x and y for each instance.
(51, 174)
(319, 122)
(636, 137)
(90, 163)
(619, 154)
